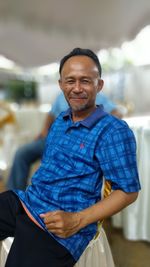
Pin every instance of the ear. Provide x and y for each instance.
(60, 84)
(100, 85)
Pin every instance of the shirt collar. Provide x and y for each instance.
(88, 122)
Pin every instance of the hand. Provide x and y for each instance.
(41, 135)
(61, 223)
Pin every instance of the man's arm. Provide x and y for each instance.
(107, 207)
(117, 113)
(48, 122)
(110, 106)
(65, 224)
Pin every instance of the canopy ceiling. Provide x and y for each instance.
(35, 32)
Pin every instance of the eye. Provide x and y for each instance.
(70, 81)
(86, 81)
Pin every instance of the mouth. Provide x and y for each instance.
(77, 97)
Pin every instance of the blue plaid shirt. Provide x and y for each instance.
(76, 157)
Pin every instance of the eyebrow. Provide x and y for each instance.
(81, 77)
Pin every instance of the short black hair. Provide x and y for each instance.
(81, 52)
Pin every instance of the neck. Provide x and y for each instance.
(82, 114)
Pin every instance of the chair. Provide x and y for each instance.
(98, 252)
(4, 249)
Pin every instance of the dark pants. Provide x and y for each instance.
(32, 246)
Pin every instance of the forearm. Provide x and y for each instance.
(48, 122)
(107, 207)
(65, 224)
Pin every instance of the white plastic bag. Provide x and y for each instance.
(97, 253)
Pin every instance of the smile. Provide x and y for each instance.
(77, 99)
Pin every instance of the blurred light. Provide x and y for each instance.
(135, 52)
(49, 69)
(138, 49)
(103, 56)
(14, 106)
(6, 63)
(3, 165)
(45, 108)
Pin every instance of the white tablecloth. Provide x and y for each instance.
(30, 119)
(135, 219)
(29, 122)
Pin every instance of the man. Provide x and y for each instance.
(29, 153)
(56, 217)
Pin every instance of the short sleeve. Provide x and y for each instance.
(117, 158)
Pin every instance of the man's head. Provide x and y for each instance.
(81, 52)
(80, 80)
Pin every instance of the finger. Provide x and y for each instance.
(49, 214)
(51, 226)
(48, 218)
(58, 232)
(42, 215)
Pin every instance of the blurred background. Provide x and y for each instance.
(34, 36)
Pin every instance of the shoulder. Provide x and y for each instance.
(113, 128)
(115, 123)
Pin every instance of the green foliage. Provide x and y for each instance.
(19, 90)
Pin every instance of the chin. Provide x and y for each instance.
(78, 108)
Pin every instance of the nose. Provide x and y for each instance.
(77, 87)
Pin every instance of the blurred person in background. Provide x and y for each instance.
(29, 153)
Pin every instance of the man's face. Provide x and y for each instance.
(80, 83)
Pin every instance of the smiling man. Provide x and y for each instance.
(80, 81)
(57, 215)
